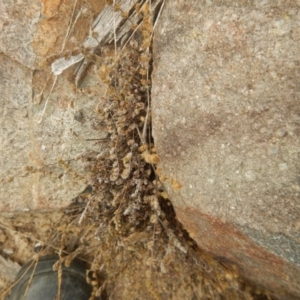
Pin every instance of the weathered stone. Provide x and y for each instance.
(47, 120)
(45, 125)
(18, 24)
(226, 123)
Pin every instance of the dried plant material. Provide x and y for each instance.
(103, 73)
(63, 63)
(163, 177)
(102, 32)
(151, 262)
(154, 219)
(127, 158)
(149, 285)
(153, 201)
(136, 237)
(143, 148)
(105, 23)
(169, 256)
(64, 228)
(150, 158)
(159, 170)
(175, 184)
(125, 173)
(38, 98)
(8, 268)
(164, 195)
(178, 245)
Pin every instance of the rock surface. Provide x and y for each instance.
(43, 119)
(226, 123)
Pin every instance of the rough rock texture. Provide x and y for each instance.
(43, 119)
(226, 123)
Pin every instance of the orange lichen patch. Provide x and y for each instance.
(175, 184)
(63, 28)
(150, 158)
(48, 34)
(97, 5)
(51, 30)
(225, 240)
(50, 7)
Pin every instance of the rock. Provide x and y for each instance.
(49, 126)
(226, 123)
(45, 125)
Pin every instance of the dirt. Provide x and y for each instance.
(20, 232)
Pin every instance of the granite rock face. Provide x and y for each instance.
(226, 123)
(44, 125)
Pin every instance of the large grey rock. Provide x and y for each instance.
(226, 123)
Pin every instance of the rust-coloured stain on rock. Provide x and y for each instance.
(50, 7)
(225, 241)
(56, 17)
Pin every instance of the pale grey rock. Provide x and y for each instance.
(45, 120)
(34, 136)
(18, 25)
(226, 114)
